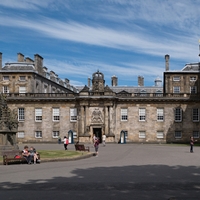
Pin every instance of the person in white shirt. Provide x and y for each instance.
(104, 140)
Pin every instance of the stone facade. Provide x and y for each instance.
(49, 108)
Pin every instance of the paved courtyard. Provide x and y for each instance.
(121, 171)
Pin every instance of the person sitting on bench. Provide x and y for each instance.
(26, 154)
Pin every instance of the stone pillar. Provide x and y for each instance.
(82, 121)
(106, 119)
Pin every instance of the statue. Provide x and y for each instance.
(8, 125)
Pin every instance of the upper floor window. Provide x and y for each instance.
(22, 89)
(176, 78)
(193, 78)
(160, 114)
(73, 114)
(176, 89)
(142, 114)
(38, 114)
(178, 115)
(38, 134)
(6, 78)
(124, 114)
(56, 114)
(195, 114)
(5, 89)
(193, 89)
(22, 78)
(21, 115)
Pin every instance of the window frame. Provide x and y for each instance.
(193, 89)
(176, 134)
(56, 114)
(55, 134)
(124, 114)
(142, 114)
(5, 89)
(22, 90)
(20, 134)
(38, 114)
(22, 78)
(178, 115)
(142, 134)
(160, 135)
(21, 114)
(73, 114)
(176, 89)
(176, 78)
(38, 134)
(6, 78)
(160, 115)
(195, 114)
(195, 134)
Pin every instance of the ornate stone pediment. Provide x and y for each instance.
(97, 116)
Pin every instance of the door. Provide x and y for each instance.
(97, 132)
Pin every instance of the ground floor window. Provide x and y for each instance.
(20, 134)
(38, 134)
(178, 134)
(142, 134)
(55, 134)
(196, 134)
(160, 135)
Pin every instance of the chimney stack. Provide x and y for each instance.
(0, 61)
(167, 62)
(89, 81)
(114, 81)
(140, 81)
(20, 57)
(39, 64)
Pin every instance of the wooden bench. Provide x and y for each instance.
(10, 157)
(81, 147)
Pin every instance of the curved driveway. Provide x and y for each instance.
(121, 171)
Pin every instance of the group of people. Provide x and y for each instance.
(30, 154)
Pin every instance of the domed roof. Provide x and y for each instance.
(98, 75)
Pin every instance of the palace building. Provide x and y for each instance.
(49, 108)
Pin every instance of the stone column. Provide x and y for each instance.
(106, 119)
(82, 120)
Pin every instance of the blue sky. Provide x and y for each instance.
(125, 38)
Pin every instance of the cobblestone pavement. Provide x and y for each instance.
(121, 171)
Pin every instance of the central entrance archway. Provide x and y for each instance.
(98, 133)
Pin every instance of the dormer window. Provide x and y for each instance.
(193, 78)
(6, 78)
(22, 78)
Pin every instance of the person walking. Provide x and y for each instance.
(192, 144)
(66, 142)
(104, 140)
(96, 146)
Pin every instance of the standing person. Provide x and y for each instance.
(66, 142)
(96, 145)
(33, 153)
(192, 144)
(26, 154)
(104, 140)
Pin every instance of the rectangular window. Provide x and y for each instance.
(38, 114)
(176, 78)
(6, 78)
(142, 134)
(21, 115)
(20, 134)
(193, 78)
(55, 134)
(5, 89)
(195, 114)
(160, 135)
(142, 114)
(38, 134)
(160, 114)
(22, 78)
(193, 89)
(73, 114)
(195, 134)
(178, 134)
(124, 114)
(22, 90)
(56, 114)
(178, 115)
(176, 89)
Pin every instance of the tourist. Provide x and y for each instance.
(26, 154)
(192, 144)
(96, 146)
(104, 140)
(66, 142)
(34, 153)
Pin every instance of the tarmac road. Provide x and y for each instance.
(121, 171)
